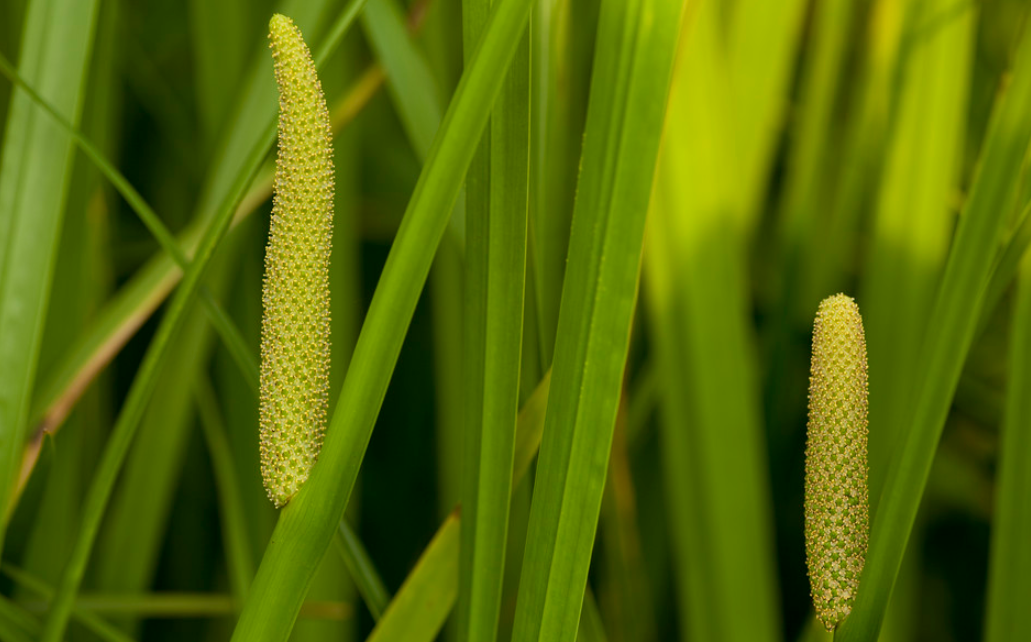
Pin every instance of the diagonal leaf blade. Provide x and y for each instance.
(306, 526)
(950, 332)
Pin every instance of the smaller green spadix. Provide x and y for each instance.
(295, 297)
(836, 496)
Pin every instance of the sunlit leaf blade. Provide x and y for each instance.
(762, 44)
(913, 223)
(947, 340)
(821, 74)
(80, 284)
(635, 49)
(710, 430)
(834, 237)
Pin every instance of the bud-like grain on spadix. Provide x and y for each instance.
(836, 496)
(295, 298)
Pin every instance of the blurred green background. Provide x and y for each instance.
(868, 136)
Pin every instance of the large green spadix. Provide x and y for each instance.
(295, 324)
(836, 497)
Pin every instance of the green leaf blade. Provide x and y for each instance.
(418, 611)
(710, 430)
(913, 223)
(35, 170)
(636, 47)
(495, 265)
(953, 321)
(1009, 577)
(307, 524)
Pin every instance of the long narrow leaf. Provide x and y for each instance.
(136, 301)
(495, 264)
(422, 587)
(409, 79)
(562, 34)
(239, 560)
(913, 223)
(711, 434)
(129, 545)
(35, 168)
(762, 44)
(103, 629)
(949, 335)
(307, 524)
(636, 45)
(419, 105)
(1010, 564)
(430, 590)
(424, 601)
(237, 346)
(15, 624)
(135, 405)
(359, 565)
(1006, 266)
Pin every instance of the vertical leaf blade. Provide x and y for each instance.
(35, 168)
(763, 41)
(913, 222)
(949, 334)
(710, 429)
(1009, 577)
(495, 264)
(635, 50)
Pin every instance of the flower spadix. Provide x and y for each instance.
(836, 496)
(295, 297)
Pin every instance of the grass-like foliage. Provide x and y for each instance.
(515, 325)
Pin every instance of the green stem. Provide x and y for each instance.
(239, 558)
(363, 572)
(234, 341)
(100, 627)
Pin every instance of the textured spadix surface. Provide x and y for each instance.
(295, 324)
(836, 496)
